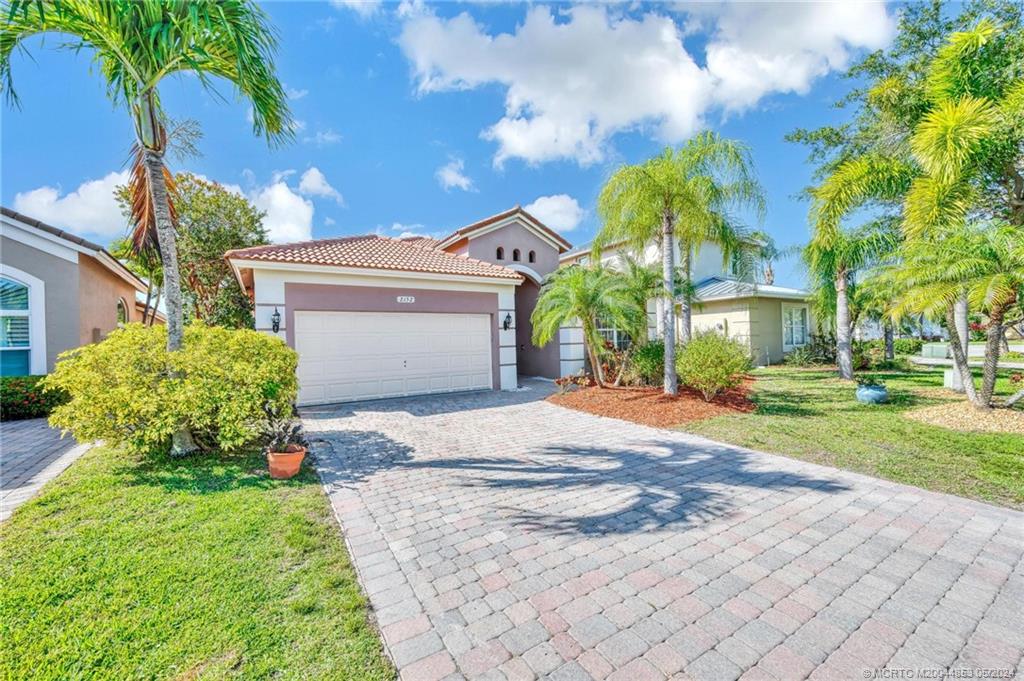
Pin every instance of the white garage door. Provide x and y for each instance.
(346, 356)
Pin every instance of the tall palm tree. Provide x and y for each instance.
(682, 197)
(987, 263)
(584, 293)
(833, 266)
(135, 46)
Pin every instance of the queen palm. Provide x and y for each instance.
(984, 262)
(586, 294)
(833, 266)
(683, 196)
(961, 157)
(135, 46)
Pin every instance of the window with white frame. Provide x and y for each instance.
(619, 339)
(15, 330)
(794, 326)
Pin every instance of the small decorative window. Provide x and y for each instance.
(500, 254)
(532, 256)
(515, 254)
(15, 343)
(122, 312)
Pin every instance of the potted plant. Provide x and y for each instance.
(286, 445)
(870, 391)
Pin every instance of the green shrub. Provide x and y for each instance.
(819, 351)
(24, 397)
(907, 346)
(711, 363)
(647, 363)
(122, 390)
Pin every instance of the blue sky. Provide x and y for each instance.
(421, 118)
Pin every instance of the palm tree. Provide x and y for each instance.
(984, 262)
(641, 285)
(584, 293)
(833, 266)
(684, 196)
(138, 44)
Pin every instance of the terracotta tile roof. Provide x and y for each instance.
(468, 229)
(373, 251)
(422, 241)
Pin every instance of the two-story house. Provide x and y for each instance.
(771, 320)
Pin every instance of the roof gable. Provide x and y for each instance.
(512, 216)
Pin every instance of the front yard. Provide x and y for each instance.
(810, 415)
(204, 568)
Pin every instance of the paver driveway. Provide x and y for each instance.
(500, 536)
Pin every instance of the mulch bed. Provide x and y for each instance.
(963, 417)
(651, 407)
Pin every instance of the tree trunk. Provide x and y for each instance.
(844, 347)
(686, 307)
(622, 367)
(993, 339)
(149, 299)
(1014, 399)
(960, 318)
(960, 357)
(595, 360)
(890, 343)
(668, 306)
(769, 274)
(156, 306)
(182, 443)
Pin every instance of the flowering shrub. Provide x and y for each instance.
(581, 379)
(711, 363)
(122, 390)
(1017, 379)
(23, 397)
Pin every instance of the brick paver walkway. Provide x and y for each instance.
(498, 536)
(31, 454)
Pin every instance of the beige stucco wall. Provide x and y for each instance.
(60, 277)
(98, 292)
(756, 322)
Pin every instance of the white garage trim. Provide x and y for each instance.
(348, 356)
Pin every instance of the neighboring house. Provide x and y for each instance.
(771, 320)
(373, 316)
(57, 292)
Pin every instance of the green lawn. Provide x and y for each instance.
(810, 415)
(191, 570)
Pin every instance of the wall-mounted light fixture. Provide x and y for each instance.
(508, 321)
(275, 321)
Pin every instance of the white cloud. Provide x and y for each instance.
(450, 176)
(363, 8)
(89, 209)
(314, 183)
(289, 216)
(560, 212)
(328, 222)
(323, 138)
(295, 93)
(298, 125)
(574, 80)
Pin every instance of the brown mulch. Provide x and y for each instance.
(651, 407)
(961, 416)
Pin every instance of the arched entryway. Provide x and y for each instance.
(530, 359)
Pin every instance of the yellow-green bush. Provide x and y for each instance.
(711, 363)
(122, 390)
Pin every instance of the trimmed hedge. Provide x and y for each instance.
(24, 397)
(711, 363)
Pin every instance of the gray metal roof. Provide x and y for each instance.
(721, 288)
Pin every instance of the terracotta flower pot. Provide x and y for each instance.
(286, 464)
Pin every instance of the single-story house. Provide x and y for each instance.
(57, 291)
(772, 320)
(375, 316)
